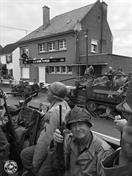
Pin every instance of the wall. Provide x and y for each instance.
(15, 64)
(68, 54)
(124, 62)
(69, 78)
(3, 59)
(92, 21)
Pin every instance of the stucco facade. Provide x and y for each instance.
(11, 60)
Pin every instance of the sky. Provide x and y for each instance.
(20, 17)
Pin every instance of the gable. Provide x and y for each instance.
(59, 24)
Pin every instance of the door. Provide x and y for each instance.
(42, 74)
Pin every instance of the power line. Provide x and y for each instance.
(9, 27)
(20, 29)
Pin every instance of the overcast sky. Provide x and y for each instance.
(26, 16)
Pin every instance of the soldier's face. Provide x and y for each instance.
(80, 129)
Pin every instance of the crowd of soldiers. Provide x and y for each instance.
(84, 152)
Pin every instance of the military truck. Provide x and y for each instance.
(97, 94)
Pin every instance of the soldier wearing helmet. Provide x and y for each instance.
(33, 157)
(89, 72)
(120, 162)
(110, 74)
(83, 149)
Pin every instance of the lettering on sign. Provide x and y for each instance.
(35, 61)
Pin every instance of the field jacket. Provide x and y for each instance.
(4, 146)
(46, 135)
(87, 163)
(112, 169)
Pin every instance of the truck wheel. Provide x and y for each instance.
(91, 106)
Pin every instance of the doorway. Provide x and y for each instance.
(42, 74)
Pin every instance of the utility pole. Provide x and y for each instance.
(86, 39)
(77, 30)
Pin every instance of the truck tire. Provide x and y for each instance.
(91, 106)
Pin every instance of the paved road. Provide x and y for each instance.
(104, 126)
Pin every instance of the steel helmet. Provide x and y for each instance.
(58, 89)
(78, 114)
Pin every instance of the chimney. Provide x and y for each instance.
(46, 16)
(104, 9)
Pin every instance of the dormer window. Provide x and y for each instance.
(94, 46)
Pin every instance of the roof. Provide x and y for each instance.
(8, 48)
(59, 24)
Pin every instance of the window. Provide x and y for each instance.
(52, 69)
(94, 46)
(51, 46)
(60, 69)
(42, 47)
(9, 59)
(69, 69)
(10, 72)
(57, 69)
(24, 52)
(62, 44)
(63, 69)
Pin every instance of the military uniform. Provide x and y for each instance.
(83, 155)
(4, 151)
(120, 162)
(88, 161)
(34, 156)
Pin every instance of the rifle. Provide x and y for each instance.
(60, 147)
(34, 132)
(14, 146)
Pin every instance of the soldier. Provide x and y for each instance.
(35, 86)
(33, 157)
(4, 148)
(83, 149)
(120, 162)
(89, 72)
(119, 73)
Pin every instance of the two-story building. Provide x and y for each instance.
(9, 59)
(62, 47)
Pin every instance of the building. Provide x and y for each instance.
(60, 49)
(113, 60)
(9, 59)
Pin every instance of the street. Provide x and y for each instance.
(101, 125)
